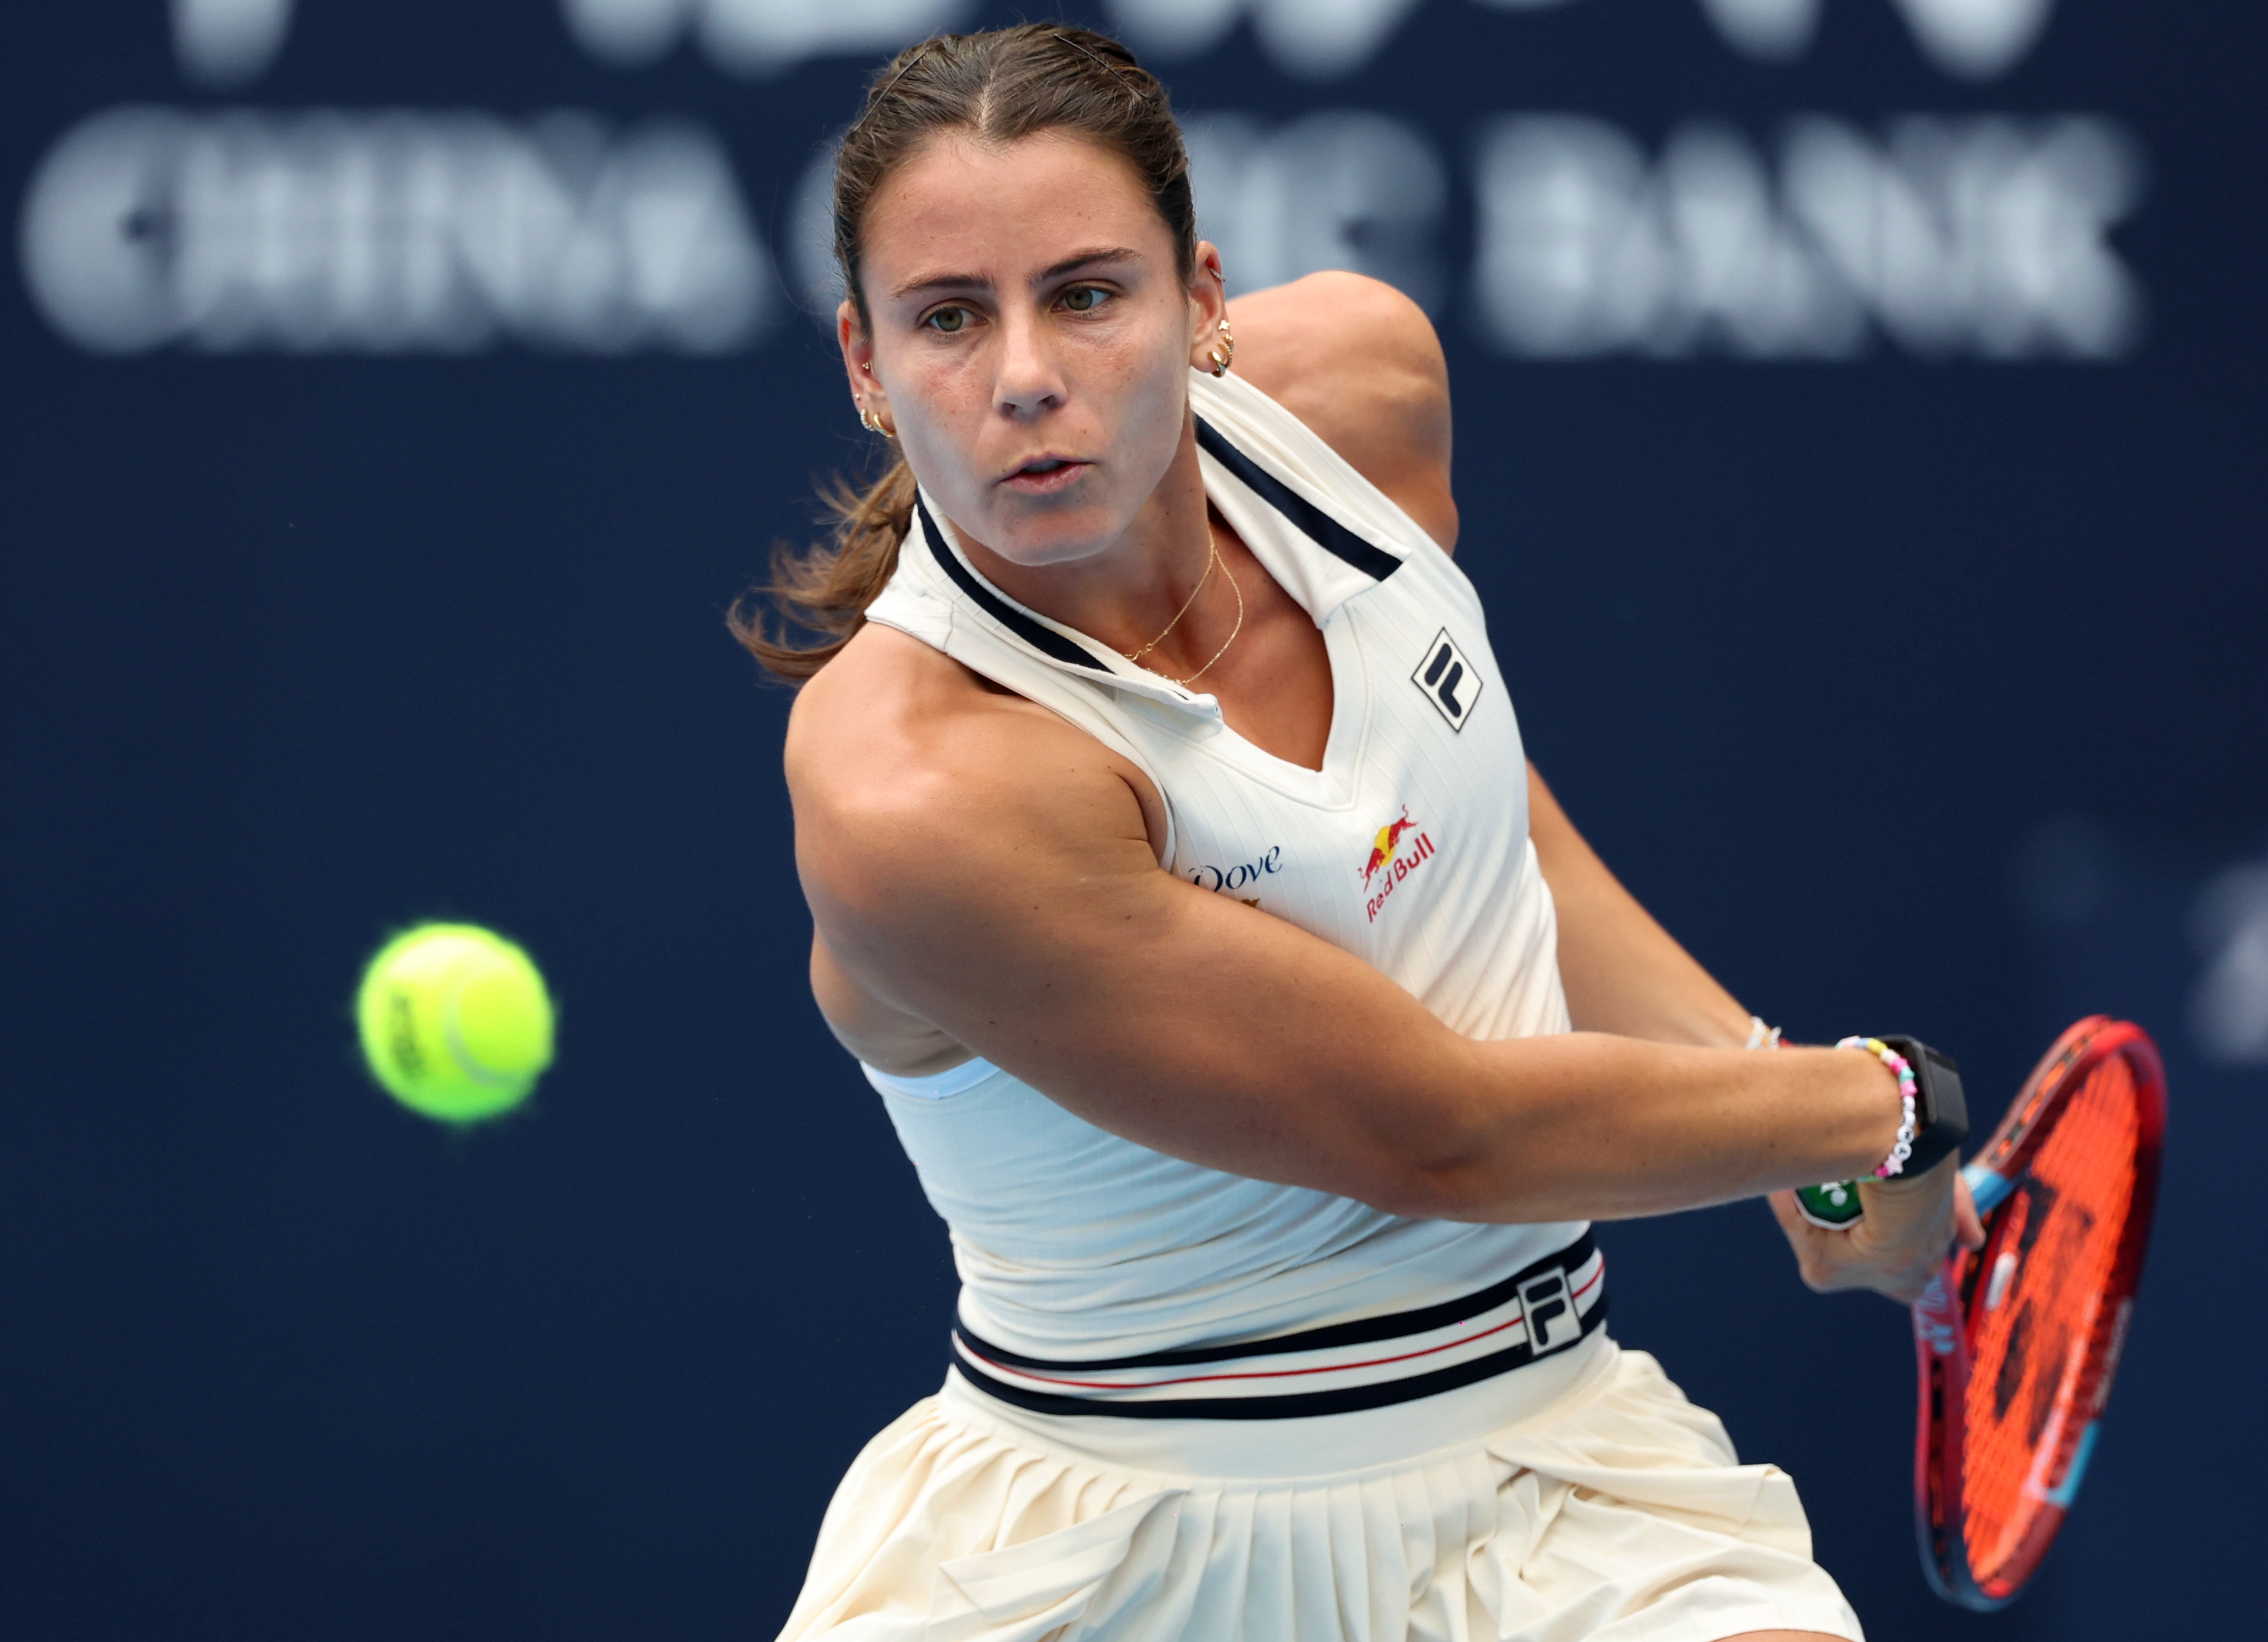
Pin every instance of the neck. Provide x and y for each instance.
(1124, 594)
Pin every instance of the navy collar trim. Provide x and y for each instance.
(1310, 520)
(1319, 526)
(1038, 636)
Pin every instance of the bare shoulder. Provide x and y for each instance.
(914, 781)
(1361, 364)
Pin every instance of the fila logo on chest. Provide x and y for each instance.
(1451, 682)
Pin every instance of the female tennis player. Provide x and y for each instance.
(1256, 1020)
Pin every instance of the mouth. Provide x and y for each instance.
(1042, 474)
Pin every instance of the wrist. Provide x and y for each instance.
(1914, 1182)
(1909, 1098)
(1941, 1109)
(1933, 1120)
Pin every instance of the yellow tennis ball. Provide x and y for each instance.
(455, 1022)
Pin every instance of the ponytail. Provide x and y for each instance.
(826, 589)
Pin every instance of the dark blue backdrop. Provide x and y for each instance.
(1915, 689)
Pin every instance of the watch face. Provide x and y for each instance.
(1948, 1106)
(1944, 1111)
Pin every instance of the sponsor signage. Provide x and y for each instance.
(1543, 233)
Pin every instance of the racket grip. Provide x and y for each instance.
(1835, 1205)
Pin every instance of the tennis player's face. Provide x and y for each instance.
(1031, 339)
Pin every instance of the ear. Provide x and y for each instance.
(1208, 305)
(858, 361)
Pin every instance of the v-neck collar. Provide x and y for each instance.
(1317, 561)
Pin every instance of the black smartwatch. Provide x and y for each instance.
(1940, 1112)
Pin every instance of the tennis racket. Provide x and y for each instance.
(2018, 1341)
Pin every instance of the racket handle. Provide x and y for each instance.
(1835, 1205)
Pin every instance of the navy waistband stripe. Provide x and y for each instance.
(1292, 1405)
(1363, 1331)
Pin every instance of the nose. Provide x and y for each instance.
(1029, 379)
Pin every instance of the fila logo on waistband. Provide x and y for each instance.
(1551, 1320)
(1452, 683)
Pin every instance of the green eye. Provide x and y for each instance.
(1082, 299)
(947, 320)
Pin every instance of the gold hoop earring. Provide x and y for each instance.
(1223, 353)
(869, 421)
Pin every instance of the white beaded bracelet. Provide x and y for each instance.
(1760, 1036)
(1903, 1068)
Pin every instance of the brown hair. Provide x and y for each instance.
(999, 86)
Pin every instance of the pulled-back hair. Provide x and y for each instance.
(998, 87)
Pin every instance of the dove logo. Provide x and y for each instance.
(1242, 873)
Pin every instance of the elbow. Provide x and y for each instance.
(1435, 1183)
(1466, 1140)
(1429, 1194)
(1436, 1151)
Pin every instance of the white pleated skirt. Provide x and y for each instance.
(1606, 1507)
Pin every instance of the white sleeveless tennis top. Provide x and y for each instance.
(1099, 1277)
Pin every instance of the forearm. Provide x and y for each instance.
(1623, 972)
(1204, 1029)
(1327, 1077)
(1590, 1126)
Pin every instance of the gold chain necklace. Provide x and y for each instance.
(1212, 557)
(1233, 631)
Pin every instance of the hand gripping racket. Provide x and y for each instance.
(2018, 1341)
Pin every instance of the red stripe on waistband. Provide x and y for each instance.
(1277, 1373)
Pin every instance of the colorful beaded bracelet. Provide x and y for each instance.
(1903, 1068)
(1760, 1036)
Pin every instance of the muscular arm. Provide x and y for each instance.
(990, 872)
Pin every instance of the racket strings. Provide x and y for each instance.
(2049, 1262)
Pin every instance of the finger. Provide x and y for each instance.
(1818, 1253)
(1968, 1225)
(1900, 1277)
(1807, 1240)
(1871, 1254)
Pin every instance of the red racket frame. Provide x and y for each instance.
(1942, 1330)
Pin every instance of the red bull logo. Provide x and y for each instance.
(1388, 864)
(1389, 839)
